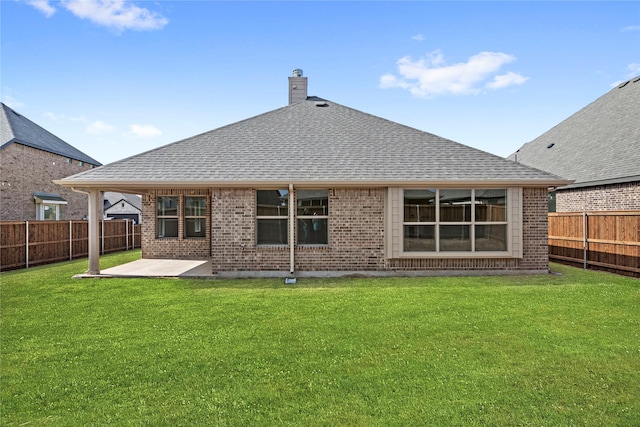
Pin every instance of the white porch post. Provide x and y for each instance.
(94, 232)
(292, 230)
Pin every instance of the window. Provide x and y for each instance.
(312, 217)
(48, 212)
(420, 220)
(48, 206)
(272, 215)
(195, 216)
(491, 220)
(167, 216)
(455, 220)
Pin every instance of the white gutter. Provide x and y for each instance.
(292, 229)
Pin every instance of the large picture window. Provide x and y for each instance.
(455, 220)
(272, 216)
(312, 211)
(195, 216)
(167, 216)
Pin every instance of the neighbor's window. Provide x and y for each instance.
(272, 216)
(167, 216)
(312, 213)
(195, 216)
(48, 212)
(455, 220)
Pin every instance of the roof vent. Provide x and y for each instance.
(297, 72)
(551, 145)
(321, 104)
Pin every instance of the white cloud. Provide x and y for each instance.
(418, 37)
(431, 76)
(634, 69)
(505, 80)
(43, 6)
(631, 28)
(117, 14)
(145, 131)
(11, 101)
(99, 127)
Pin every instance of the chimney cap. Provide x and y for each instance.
(297, 72)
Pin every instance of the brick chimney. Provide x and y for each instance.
(297, 87)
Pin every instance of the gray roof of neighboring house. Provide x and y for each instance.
(15, 128)
(111, 198)
(311, 142)
(599, 144)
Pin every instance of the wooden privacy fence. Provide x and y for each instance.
(609, 240)
(24, 244)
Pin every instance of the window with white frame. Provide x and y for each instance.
(312, 212)
(167, 216)
(272, 217)
(48, 206)
(195, 216)
(455, 220)
(48, 212)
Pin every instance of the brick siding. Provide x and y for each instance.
(356, 236)
(26, 170)
(613, 197)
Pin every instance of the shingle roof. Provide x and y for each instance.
(598, 144)
(313, 142)
(15, 128)
(111, 198)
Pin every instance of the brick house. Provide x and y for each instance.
(31, 158)
(317, 188)
(598, 148)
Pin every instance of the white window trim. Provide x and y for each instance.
(185, 217)
(40, 210)
(280, 217)
(297, 217)
(162, 236)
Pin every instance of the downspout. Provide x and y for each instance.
(292, 229)
(94, 230)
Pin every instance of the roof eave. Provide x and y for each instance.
(140, 186)
(621, 180)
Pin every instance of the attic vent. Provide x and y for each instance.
(637, 79)
(623, 84)
(321, 104)
(551, 145)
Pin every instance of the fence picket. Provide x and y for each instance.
(43, 242)
(609, 240)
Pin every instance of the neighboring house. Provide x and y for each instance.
(319, 188)
(31, 158)
(123, 206)
(598, 148)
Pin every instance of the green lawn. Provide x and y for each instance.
(553, 350)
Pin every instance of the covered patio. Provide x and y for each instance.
(156, 268)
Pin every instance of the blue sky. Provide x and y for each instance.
(115, 78)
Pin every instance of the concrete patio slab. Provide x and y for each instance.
(159, 268)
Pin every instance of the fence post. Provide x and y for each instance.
(126, 233)
(70, 240)
(26, 260)
(584, 240)
(102, 252)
